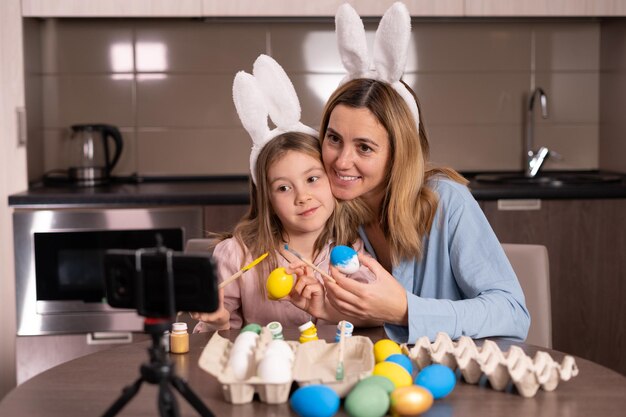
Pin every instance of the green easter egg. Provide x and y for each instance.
(367, 401)
(252, 327)
(381, 381)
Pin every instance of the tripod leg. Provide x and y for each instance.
(168, 407)
(127, 394)
(190, 396)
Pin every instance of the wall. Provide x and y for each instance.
(12, 177)
(167, 84)
(613, 96)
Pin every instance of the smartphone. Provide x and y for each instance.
(140, 280)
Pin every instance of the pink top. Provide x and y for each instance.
(246, 300)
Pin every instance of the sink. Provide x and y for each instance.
(549, 179)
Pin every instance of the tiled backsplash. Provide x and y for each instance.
(167, 84)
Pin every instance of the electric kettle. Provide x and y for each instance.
(90, 159)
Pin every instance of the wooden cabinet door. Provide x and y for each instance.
(222, 218)
(586, 241)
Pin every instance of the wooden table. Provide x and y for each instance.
(88, 386)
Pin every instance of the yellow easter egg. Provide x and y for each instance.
(394, 372)
(411, 400)
(279, 283)
(384, 348)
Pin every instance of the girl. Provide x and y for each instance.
(439, 267)
(291, 203)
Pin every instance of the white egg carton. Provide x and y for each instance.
(316, 363)
(500, 368)
(214, 360)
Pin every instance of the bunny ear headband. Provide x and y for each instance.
(266, 92)
(390, 49)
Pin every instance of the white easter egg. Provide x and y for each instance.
(239, 363)
(280, 348)
(274, 369)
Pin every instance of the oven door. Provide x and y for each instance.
(59, 280)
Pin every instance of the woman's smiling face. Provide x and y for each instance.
(356, 154)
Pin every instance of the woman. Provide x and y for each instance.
(439, 265)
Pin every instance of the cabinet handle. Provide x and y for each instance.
(21, 126)
(105, 338)
(519, 204)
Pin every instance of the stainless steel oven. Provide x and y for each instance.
(58, 255)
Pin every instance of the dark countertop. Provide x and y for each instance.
(160, 191)
(497, 191)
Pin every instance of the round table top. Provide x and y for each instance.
(87, 386)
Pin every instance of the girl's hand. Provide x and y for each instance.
(383, 299)
(308, 293)
(218, 318)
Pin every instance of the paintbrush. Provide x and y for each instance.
(342, 337)
(309, 263)
(242, 270)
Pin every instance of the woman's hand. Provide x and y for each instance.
(218, 318)
(383, 299)
(308, 293)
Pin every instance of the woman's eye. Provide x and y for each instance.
(332, 138)
(365, 149)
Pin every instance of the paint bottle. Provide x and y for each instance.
(308, 332)
(179, 338)
(276, 329)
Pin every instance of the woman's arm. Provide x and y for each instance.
(309, 295)
(380, 300)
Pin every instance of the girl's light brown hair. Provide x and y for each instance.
(260, 230)
(409, 205)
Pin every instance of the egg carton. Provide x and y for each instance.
(500, 368)
(214, 360)
(316, 363)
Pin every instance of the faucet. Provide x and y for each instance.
(533, 160)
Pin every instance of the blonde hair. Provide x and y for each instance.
(260, 230)
(409, 205)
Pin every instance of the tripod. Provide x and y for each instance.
(159, 371)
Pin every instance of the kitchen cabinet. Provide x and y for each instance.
(545, 8)
(111, 8)
(222, 218)
(191, 8)
(290, 8)
(326, 7)
(586, 241)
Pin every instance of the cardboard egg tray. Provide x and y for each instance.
(214, 360)
(500, 368)
(316, 363)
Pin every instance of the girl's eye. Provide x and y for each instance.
(313, 178)
(283, 188)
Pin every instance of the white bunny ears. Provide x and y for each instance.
(268, 92)
(390, 49)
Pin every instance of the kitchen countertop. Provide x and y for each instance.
(221, 190)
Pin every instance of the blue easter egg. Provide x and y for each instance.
(345, 259)
(315, 401)
(438, 379)
(341, 254)
(401, 360)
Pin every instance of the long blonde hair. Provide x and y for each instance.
(409, 205)
(260, 230)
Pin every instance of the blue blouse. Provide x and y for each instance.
(464, 285)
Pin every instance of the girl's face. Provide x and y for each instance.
(356, 154)
(300, 193)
